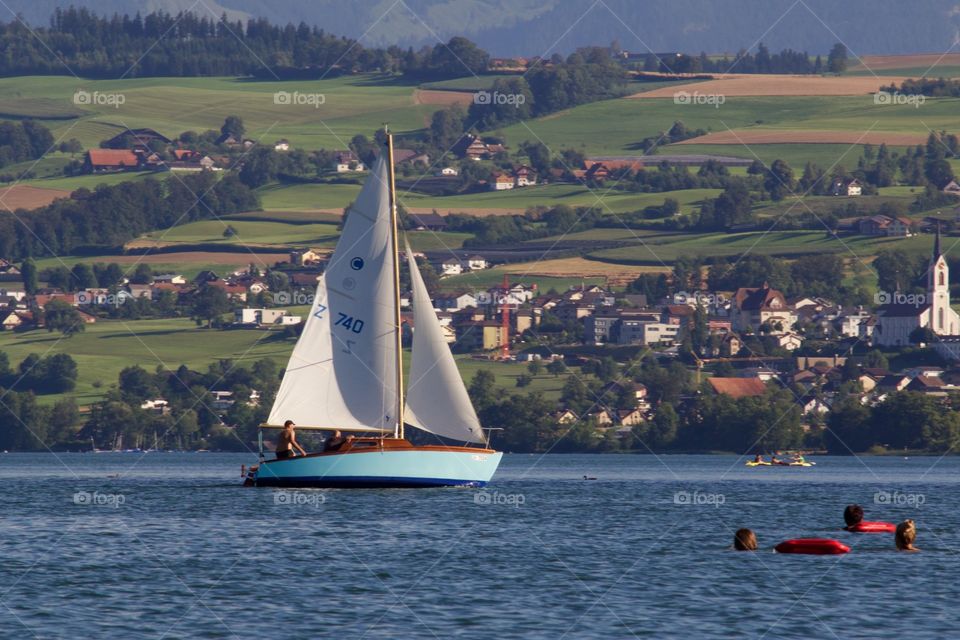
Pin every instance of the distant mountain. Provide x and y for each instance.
(535, 27)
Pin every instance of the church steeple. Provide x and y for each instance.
(936, 246)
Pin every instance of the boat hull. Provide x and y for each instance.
(405, 468)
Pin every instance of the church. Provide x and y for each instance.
(897, 320)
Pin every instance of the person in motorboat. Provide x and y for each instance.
(775, 460)
(852, 516)
(905, 536)
(287, 445)
(336, 441)
(745, 540)
(759, 459)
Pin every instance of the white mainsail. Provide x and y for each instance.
(342, 373)
(436, 398)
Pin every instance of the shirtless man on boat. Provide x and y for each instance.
(287, 445)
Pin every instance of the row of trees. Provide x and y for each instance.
(195, 44)
(763, 61)
(111, 215)
(22, 141)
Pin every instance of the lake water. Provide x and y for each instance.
(171, 546)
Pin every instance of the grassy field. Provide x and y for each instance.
(107, 347)
(776, 243)
(336, 197)
(588, 127)
(351, 105)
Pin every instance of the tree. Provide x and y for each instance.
(143, 274)
(233, 126)
(61, 316)
(82, 276)
(875, 360)
(482, 390)
(535, 367)
(779, 180)
(524, 380)
(28, 271)
(837, 60)
(446, 127)
(556, 367)
(211, 303)
(663, 431)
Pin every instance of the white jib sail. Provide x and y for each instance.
(437, 401)
(342, 372)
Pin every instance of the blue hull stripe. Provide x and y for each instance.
(364, 482)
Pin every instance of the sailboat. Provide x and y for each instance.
(346, 370)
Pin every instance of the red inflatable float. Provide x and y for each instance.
(873, 527)
(813, 546)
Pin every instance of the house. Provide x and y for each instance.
(455, 302)
(477, 263)
(635, 330)
(448, 172)
(17, 319)
(140, 291)
(107, 160)
(631, 417)
(737, 387)
(157, 405)
(599, 327)
(880, 225)
(901, 316)
(264, 317)
(601, 418)
(565, 417)
(930, 385)
(524, 176)
(305, 257)
(480, 335)
(952, 188)
(814, 404)
(192, 161)
(502, 182)
(233, 291)
(427, 221)
(346, 161)
(9, 272)
(789, 341)
(222, 400)
(847, 188)
(450, 267)
(597, 172)
(756, 307)
(169, 278)
(281, 145)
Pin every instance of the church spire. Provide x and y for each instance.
(936, 245)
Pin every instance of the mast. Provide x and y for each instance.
(395, 248)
